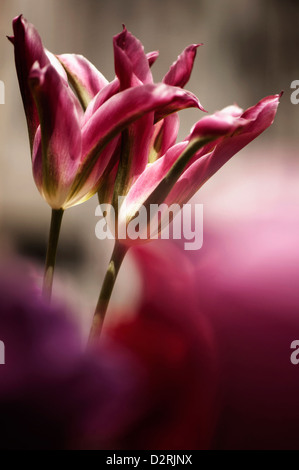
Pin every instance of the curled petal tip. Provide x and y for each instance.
(11, 39)
(199, 106)
(18, 20)
(120, 37)
(280, 94)
(152, 57)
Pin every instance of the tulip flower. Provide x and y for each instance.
(71, 150)
(175, 178)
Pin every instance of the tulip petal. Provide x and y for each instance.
(37, 160)
(158, 180)
(149, 180)
(174, 106)
(90, 186)
(84, 77)
(180, 71)
(28, 49)
(107, 92)
(130, 60)
(106, 189)
(60, 134)
(111, 89)
(60, 69)
(258, 118)
(117, 113)
(134, 153)
(165, 135)
(152, 57)
(132, 68)
(57, 65)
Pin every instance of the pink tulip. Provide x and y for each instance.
(70, 151)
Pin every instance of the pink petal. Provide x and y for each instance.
(115, 115)
(180, 71)
(107, 92)
(258, 118)
(37, 160)
(28, 49)
(149, 180)
(136, 140)
(177, 105)
(229, 130)
(60, 134)
(165, 135)
(57, 65)
(59, 68)
(89, 186)
(130, 60)
(106, 188)
(85, 78)
(152, 57)
(219, 123)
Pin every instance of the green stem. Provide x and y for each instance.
(117, 258)
(56, 220)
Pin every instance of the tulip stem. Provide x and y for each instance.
(56, 220)
(117, 258)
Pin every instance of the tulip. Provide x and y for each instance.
(71, 150)
(176, 177)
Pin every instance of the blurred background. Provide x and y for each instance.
(250, 51)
